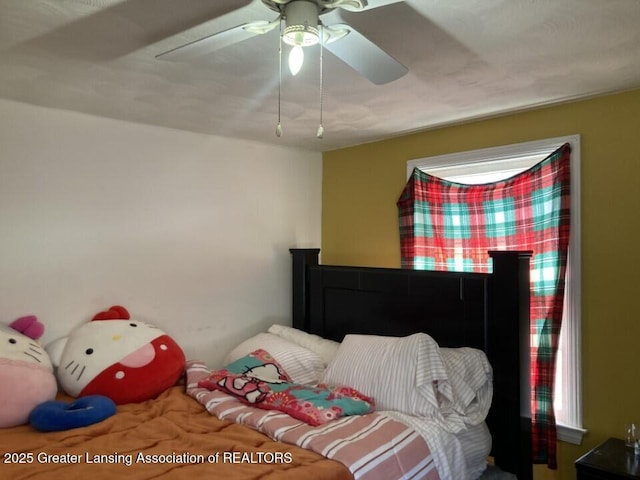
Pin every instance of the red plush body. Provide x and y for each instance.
(142, 382)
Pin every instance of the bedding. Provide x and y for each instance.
(395, 371)
(411, 375)
(372, 446)
(170, 437)
(259, 380)
(476, 445)
(471, 380)
(460, 380)
(459, 456)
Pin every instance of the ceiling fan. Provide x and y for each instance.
(307, 22)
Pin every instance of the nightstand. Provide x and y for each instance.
(612, 460)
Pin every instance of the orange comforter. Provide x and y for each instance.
(171, 437)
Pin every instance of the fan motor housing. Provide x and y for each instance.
(280, 5)
(301, 19)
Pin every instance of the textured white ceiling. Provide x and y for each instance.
(466, 58)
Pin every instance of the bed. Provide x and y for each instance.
(489, 312)
(177, 436)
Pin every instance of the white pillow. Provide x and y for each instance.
(404, 374)
(303, 365)
(322, 346)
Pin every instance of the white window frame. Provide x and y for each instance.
(519, 157)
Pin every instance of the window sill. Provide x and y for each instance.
(570, 434)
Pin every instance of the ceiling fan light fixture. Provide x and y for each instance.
(301, 19)
(300, 35)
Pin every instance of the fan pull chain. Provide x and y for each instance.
(279, 126)
(320, 132)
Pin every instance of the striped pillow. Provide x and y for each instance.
(403, 374)
(322, 346)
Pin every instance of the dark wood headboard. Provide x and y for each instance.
(484, 311)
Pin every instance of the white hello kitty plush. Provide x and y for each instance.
(123, 359)
(26, 373)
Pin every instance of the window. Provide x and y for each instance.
(493, 164)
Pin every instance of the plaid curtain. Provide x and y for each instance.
(451, 226)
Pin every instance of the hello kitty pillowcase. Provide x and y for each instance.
(258, 380)
(113, 355)
(302, 365)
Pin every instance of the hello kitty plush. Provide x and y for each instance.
(252, 384)
(123, 359)
(26, 373)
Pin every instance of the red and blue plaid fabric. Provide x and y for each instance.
(451, 226)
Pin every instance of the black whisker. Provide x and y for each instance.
(35, 358)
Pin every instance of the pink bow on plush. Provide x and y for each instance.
(28, 325)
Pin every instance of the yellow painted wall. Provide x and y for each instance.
(359, 227)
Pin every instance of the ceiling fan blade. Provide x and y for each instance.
(112, 29)
(352, 5)
(235, 26)
(365, 57)
(218, 40)
(370, 4)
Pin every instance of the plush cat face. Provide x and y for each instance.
(26, 373)
(16, 346)
(126, 360)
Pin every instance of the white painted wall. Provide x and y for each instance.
(190, 232)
